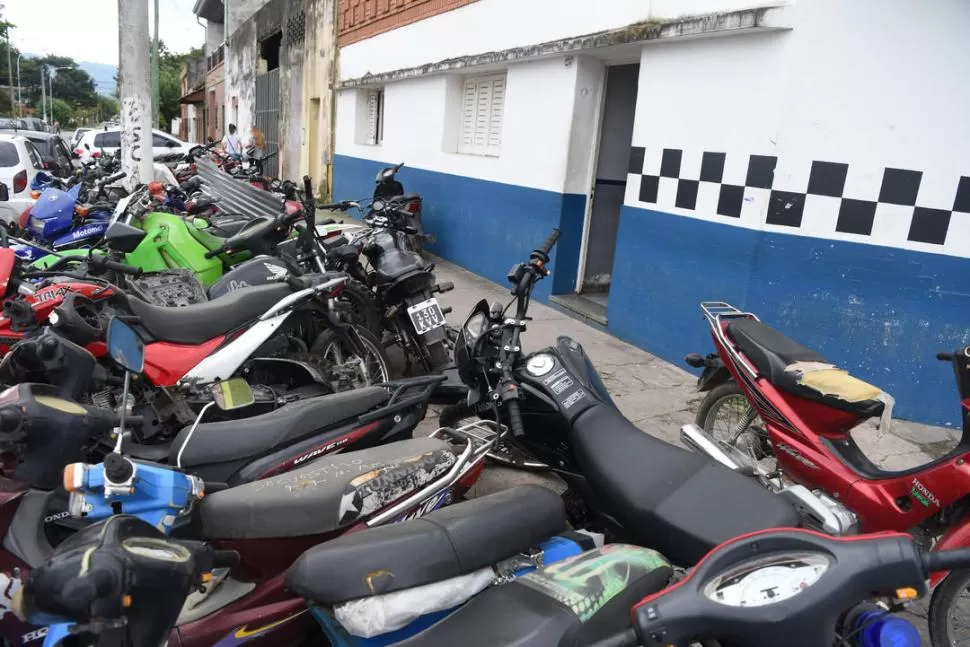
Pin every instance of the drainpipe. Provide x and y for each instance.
(335, 14)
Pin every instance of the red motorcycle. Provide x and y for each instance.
(269, 522)
(783, 414)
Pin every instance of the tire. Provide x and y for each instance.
(328, 346)
(945, 596)
(452, 414)
(438, 352)
(364, 305)
(753, 442)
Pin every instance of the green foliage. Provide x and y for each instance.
(61, 110)
(170, 68)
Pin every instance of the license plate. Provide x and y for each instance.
(426, 316)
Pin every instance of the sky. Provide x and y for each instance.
(87, 30)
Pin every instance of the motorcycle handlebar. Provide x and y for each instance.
(947, 560)
(945, 357)
(550, 242)
(112, 178)
(515, 418)
(121, 268)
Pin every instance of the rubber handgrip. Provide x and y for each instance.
(121, 268)
(945, 357)
(214, 252)
(550, 242)
(947, 560)
(224, 558)
(515, 419)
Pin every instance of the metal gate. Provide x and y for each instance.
(268, 117)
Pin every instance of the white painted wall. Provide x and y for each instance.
(419, 119)
(871, 83)
(495, 25)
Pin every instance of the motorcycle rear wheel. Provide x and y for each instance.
(333, 350)
(365, 311)
(721, 411)
(949, 616)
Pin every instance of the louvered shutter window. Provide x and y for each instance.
(482, 110)
(375, 116)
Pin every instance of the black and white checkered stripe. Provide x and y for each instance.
(665, 181)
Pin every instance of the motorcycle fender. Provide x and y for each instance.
(958, 536)
(257, 271)
(713, 376)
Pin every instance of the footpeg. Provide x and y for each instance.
(446, 310)
(444, 286)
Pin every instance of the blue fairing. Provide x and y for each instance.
(40, 181)
(29, 252)
(53, 214)
(90, 230)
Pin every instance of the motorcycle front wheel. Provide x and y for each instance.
(949, 617)
(364, 368)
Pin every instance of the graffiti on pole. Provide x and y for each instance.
(131, 133)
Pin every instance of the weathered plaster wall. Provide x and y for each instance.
(320, 51)
(242, 10)
(291, 88)
(240, 77)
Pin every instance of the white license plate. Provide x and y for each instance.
(426, 316)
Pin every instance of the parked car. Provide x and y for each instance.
(12, 123)
(35, 123)
(76, 137)
(20, 161)
(108, 141)
(53, 151)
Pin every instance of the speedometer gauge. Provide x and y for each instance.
(758, 583)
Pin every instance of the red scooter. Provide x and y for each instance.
(795, 412)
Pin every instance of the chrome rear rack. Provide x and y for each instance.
(717, 310)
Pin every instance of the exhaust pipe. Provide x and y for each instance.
(702, 442)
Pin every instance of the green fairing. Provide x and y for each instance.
(44, 262)
(587, 582)
(169, 244)
(199, 231)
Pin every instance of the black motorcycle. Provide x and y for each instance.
(627, 483)
(389, 194)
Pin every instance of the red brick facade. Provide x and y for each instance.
(360, 19)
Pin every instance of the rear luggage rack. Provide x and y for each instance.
(717, 310)
(420, 388)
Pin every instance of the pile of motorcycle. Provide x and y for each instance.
(195, 504)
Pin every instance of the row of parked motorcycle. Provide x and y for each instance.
(203, 475)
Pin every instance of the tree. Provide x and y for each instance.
(74, 85)
(107, 108)
(60, 110)
(170, 68)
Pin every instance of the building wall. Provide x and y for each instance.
(215, 102)
(320, 53)
(850, 90)
(360, 19)
(832, 90)
(242, 54)
(239, 11)
(215, 35)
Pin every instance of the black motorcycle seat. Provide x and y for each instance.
(772, 353)
(250, 438)
(681, 503)
(445, 543)
(200, 322)
(227, 225)
(575, 602)
(395, 264)
(330, 493)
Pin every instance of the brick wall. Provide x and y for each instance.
(360, 19)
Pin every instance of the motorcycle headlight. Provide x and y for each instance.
(474, 328)
(37, 226)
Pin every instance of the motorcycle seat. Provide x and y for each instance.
(577, 601)
(445, 543)
(215, 444)
(200, 322)
(330, 493)
(227, 225)
(799, 370)
(681, 503)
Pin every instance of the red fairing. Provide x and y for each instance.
(7, 260)
(293, 207)
(44, 301)
(166, 363)
(956, 537)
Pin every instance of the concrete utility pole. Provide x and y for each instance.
(136, 133)
(20, 99)
(43, 92)
(10, 70)
(156, 97)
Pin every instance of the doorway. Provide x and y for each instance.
(609, 186)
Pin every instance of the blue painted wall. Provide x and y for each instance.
(882, 313)
(486, 227)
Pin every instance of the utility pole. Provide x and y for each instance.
(43, 92)
(10, 70)
(20, 99)
(136, 133)
(156, 98)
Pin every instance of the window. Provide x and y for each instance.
(160, 141)
(8, 155)
(375, 117)
(108, 140)
(35, 159)
(482, 109)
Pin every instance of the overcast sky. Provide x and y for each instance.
(87, 30)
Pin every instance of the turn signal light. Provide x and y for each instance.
(81, 211)
(34, 195)
(74, 476)
(908, 593)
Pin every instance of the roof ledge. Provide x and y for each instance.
(769, 18)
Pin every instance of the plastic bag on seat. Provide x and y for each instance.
(380, 614)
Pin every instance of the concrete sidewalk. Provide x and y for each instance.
(660, 397)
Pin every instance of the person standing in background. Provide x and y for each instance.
(231, 143)
(257, 143)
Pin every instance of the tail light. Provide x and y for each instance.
(20, 181)
(156, 187)
(96, 154)
(24, 217)
(414, 206)
(79, 152)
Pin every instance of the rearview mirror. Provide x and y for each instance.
(123, 238)
(125, 347)
(4, 192)
(233, 394)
